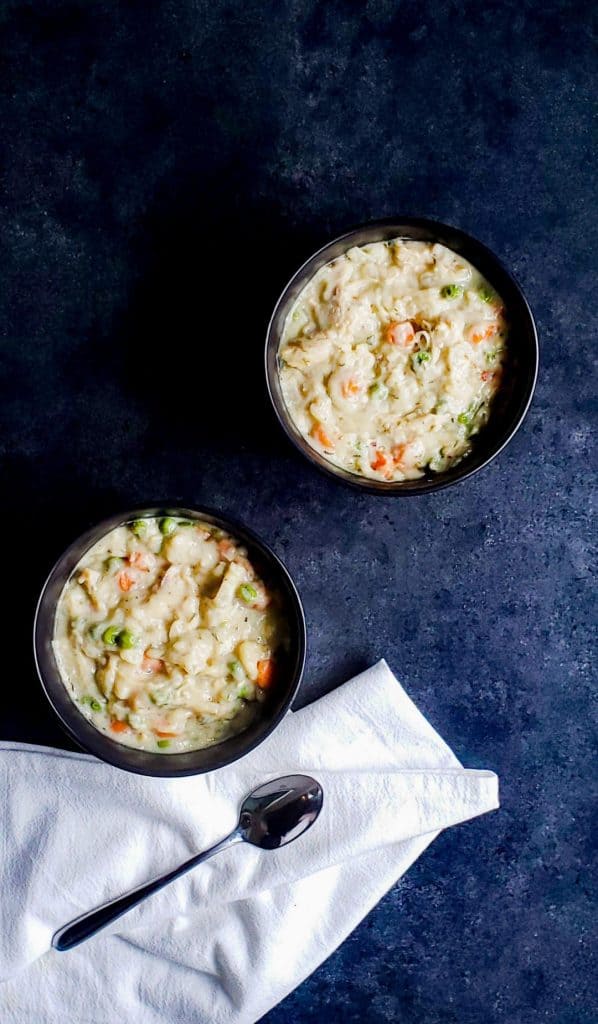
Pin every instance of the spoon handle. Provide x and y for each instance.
(88, 924)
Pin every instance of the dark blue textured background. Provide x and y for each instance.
(166, 166)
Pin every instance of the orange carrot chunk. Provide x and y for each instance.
(322, 438)
(350, 387)
(379, 461)
(139, 560)
(117, 726)
(400, 333)
(480, 332)
(398, 452)
(125, 581)
(265, 673)
(227, 549)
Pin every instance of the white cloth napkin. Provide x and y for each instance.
(225, 943)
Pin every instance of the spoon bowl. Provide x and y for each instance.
(280, 811)
(273, 815)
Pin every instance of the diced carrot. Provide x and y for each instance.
(480, 332)
(227, 549)
(322, 438)
(350, 387)
(265, 673)
(125, 581)
(486, 374)
(379, 461)
(152, 664)
(398, 452)
(164, 734)
(117, 726)
(407, 455)
(400, 333)
(140, 560)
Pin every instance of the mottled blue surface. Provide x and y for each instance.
(166, 166)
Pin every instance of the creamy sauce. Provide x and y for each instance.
(165, 636)
(390, 359)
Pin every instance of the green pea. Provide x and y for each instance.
(486, 294)
(247, 593)
(163, 743)
(93, 703)
(110, 636)
(236, 670)
(466, 418)
(167, 526)
(422, 356)
(113, 563)
(126, 640)
(378, 390)
(244, 692)
(451, 291)
(139, 527)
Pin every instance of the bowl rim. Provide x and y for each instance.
(408, 488)
(106, 749)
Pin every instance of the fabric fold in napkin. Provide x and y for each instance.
(226, 942)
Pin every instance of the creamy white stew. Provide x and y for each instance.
(390, 358)
(166, 637)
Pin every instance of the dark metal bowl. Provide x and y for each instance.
(521, 368)
(193, 762)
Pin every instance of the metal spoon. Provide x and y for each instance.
(272, 816)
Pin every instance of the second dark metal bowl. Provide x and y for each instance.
(193, 762)
(511, 403)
